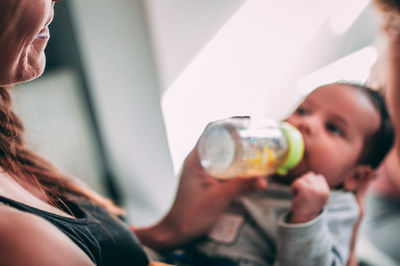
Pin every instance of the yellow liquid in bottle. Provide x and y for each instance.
(234, 149)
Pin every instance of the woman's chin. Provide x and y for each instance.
(31, 72)
(33, 76)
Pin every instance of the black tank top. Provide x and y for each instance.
(106, 240)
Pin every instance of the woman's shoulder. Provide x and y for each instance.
(14, 222)
(27, 239)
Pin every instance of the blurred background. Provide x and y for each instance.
(130, 84)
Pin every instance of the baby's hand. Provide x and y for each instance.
(311, 193)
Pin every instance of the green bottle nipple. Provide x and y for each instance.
(295, 147)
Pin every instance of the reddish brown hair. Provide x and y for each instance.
(388, 5)
(29, 169)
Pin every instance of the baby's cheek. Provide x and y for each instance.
(324, 164)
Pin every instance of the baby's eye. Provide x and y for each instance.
(302, 111)
(334, 129)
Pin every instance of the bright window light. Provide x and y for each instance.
(344, 13)
(354, 67)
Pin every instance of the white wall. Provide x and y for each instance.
(180, 29)
(117, 56)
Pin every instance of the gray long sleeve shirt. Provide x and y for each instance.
(254, 231)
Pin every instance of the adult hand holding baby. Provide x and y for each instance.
(311, 193)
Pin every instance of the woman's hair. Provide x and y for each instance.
(388, 5)
(377, 146)
(390, 16)
(16, 159)
(28, 168)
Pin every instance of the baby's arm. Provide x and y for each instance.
(310, 234)
(311, 193)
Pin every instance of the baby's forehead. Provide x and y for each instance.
(348, 103)
(345, 93)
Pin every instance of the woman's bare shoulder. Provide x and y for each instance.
(27, 239)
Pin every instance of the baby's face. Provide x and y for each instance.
(335, 121)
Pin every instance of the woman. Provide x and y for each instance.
(382, 206)
(48, 219)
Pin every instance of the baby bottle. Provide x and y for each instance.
(243, 147)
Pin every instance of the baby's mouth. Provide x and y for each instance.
(301, 168)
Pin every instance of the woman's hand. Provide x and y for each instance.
(199, 201)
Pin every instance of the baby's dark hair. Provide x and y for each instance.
(377, 146)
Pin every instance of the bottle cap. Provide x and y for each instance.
(296, 147)
(217, 148)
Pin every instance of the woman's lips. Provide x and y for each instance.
(44, 34)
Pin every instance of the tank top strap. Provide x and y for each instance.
(16, 204)
(106, 240)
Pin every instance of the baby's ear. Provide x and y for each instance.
(360, 176)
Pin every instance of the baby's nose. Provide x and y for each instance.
(306, 126)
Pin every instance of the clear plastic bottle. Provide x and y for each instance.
(242, 147)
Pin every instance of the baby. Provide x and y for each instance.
(307, 216)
